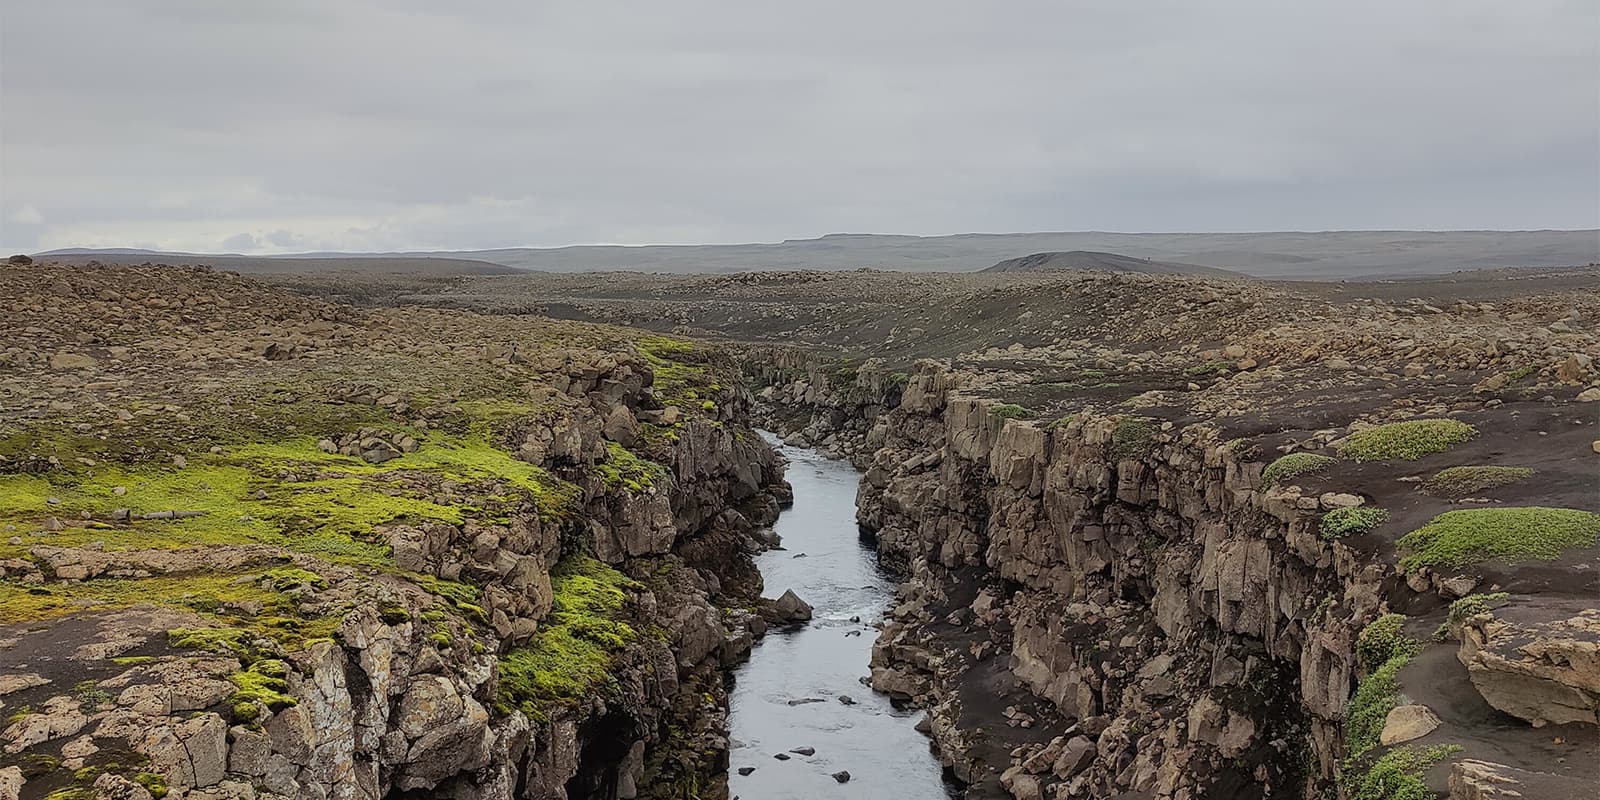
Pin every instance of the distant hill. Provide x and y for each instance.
(1108, 262)
(1297, 255)
(281, 265)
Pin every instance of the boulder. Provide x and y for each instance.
(1405, 723)
(790, 608)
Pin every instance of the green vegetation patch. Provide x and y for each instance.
(1384, 639)
(573, 651)
(1471, 536)
(288, 493)
(1398, 774)
(261, 687)
(679, 367)
(1406, 441)
(1464, 481)
(1132, 437)
(1342, 522)
(1209, 368)
(625, 469)
(1382, 649)
(1466, 608)
(1012, 411)
(1293, 464)
(1364, 715)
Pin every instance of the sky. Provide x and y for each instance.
(386, 125)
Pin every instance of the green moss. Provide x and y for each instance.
(442, 638)
(1463, 481)
(1475, 604)
(1406, 441)
(1383, 639)
(1012, 411)
(1209, 368)
(261, 687)
(573, 651)
(1342, 522)
(1398, 774)
(1294, 464)
(90, 695)
(153, 782)
(623, 469)
(1462, 538)
(1466, 608)
(393, 614)
(1132, 437)
(1367, 711)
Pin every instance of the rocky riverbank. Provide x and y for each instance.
(261, 546)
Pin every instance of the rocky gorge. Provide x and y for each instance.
(1154, 537)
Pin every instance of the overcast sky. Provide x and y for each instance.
(283, 126)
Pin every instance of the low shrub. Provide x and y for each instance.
(1406, 441)
(1463, 481)
(1293, 464)
(1471, 536)
(1342, 522)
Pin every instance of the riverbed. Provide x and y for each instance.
(802, 687)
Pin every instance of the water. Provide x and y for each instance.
(839, 577)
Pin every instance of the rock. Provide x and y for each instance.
(790, 608)
(803, 751)
(1405, 723)
(1458, 586)
(19, 260)
(846, 700)
(10, 778)
(842, 776)
(1590, 395)
(1075, 755)
(621, 427)
(1538, 660)
(781, 756)
(1471, 779)
(746, 770)
(67, 360)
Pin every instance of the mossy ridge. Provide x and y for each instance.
(1466, 537)
(1406, 441)
(576, 644)
(261, 687)
(1294, 464)
(1454, 482)
(254, 494)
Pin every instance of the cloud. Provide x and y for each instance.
(241, 243)
(410, 125)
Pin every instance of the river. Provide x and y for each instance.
(774, 707)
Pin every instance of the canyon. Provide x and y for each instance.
(1154, 536)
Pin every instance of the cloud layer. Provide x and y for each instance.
(400, 124)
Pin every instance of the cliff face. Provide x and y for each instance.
(1134, 595)
(293, 550)
(1108, 605)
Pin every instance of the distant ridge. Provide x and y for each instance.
(1290, 254)
(283, 265)
(1108, 262)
